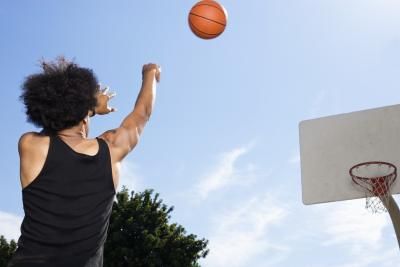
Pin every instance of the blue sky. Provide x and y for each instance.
(222, 144)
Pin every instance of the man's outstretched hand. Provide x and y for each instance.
(103, 96)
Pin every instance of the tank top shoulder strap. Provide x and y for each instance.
(51, 145)
(57, 143)
(103, 147)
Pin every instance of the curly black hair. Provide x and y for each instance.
(60, 96)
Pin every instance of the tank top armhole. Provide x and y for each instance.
(44, 167)
(107, 153)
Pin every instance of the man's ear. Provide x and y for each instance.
(86, 119)
(91, 113)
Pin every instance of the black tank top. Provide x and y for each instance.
(67, 209)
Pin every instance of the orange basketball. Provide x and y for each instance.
(207, 19)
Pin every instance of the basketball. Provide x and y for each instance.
(207, 19)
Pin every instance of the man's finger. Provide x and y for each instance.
(110, 109)
(105, 90)
(111, 95)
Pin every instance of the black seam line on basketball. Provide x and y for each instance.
(207, 19)
(210, 34)
(205, 4)
(206, 33)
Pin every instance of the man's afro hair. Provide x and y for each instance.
(60, 96)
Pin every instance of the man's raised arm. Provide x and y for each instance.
(124, 138)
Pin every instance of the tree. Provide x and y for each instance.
(140, 235)
(6, 250)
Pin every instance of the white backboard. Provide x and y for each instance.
(330, 146)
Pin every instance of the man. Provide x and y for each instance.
(68, 180)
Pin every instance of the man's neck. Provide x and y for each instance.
(76, 132)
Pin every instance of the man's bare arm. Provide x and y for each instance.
(124, 138)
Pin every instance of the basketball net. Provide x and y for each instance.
(376, 179)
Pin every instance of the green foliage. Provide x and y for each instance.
(6, 250)
(140, 235)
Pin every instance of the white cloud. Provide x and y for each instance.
(10, 225)
(129, 176)
(226, 173)
(350, 224)
(384, 258)
(241, 234)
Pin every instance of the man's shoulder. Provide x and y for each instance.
(30, 139)
(30, 136)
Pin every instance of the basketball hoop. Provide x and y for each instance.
(376, 179)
